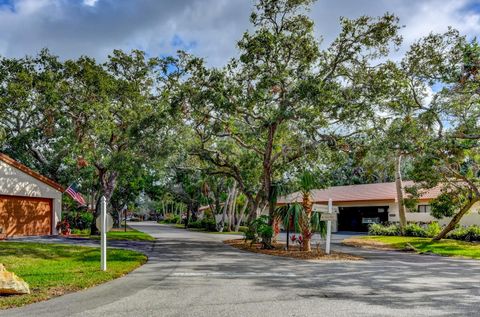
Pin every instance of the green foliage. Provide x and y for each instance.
(471, 233)
(291, 215)
(446, 204)
(209, 224)
(243, 229)
(171, 218)
(376, 229)
(250, 234)
(415, 230)
(80, 220)
(307, 182)
(81, 232)
(433, 229)
(318, 226)
(206, 223)
(259, 229)
(269, 112)
(266, 233)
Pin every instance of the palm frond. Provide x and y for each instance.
(307, 182)
(297, 212)
(318, 226)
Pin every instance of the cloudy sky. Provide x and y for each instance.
(208, 28)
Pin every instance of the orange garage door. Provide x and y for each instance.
(25, 216)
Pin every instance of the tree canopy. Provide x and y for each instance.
(286, 105)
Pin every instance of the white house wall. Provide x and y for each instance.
(14, 182)
(472, 218)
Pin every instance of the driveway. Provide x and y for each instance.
(194, 274)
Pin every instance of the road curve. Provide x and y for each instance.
(194, 274)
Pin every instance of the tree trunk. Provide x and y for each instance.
(231, 206)
(221, 226)
(242, 215)
(187, 219)
(399, 188)
(456, 219)
(253, 206)
(267, 172)
(307, 204)
(119, 218)
(108, 182)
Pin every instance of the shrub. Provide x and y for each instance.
(251, 235)
(195, 224)
(377, 229)
(242, 229)
(79, 220)
(209, 224)
(415, 230)
(433, 229)
(259, 228)
(471, 233)
(266, 233)
(171, 218)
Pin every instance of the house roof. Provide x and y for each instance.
(10, 161)
(358, 193)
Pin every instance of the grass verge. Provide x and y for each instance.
(293, 252)
(121, 234)
(444, 247)
(52, 270)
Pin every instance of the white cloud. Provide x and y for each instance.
(208, 28)
(90, 2)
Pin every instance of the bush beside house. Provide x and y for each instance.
(430, 230)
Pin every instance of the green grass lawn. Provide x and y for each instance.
(120, 234)
(444, 247)
(52, 269)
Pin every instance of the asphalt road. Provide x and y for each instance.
(194, 274)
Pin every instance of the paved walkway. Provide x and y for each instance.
(194, 274)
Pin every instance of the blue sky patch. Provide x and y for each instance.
(473, 6)
(7, 4)
(179, 43)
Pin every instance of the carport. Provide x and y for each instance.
(358, 218)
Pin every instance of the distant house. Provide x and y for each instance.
(360, 205)
(30, 203)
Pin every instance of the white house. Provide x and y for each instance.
(360, 205)
(30, 203)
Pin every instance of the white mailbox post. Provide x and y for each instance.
(104, 224)
(327, 214)
(329, 227)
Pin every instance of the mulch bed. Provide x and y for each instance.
(293, 252)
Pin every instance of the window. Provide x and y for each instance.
(424, 208)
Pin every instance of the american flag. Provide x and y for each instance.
(73, 192)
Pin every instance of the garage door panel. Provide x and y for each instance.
(24, 216)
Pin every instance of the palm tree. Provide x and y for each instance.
(301, 215)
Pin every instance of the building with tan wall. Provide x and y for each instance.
(361, 205)
(30, 203)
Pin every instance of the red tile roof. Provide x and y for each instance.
(357, 193)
